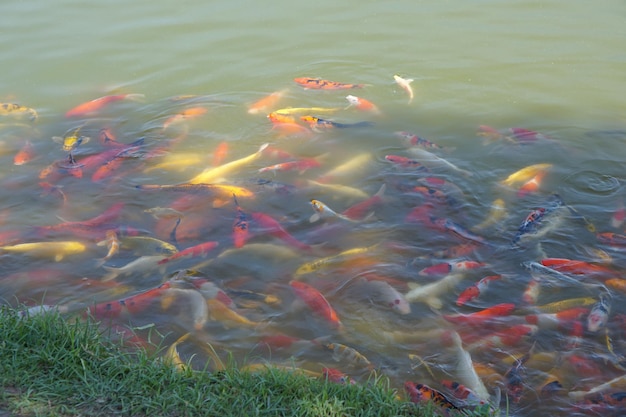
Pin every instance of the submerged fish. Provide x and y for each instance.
(56, 250)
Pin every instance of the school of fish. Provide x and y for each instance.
(291, 254)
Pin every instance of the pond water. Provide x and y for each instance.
(498, 86)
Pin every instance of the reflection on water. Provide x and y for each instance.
(160, 207)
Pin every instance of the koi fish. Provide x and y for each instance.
(612, 239)
(599, 314)
(240, 228)
(525, 174)
(421, 393)
(617, 382)
(509, 337)
(406, 162)
(297, 110)
(339, 189)
(461, 392)
(619, 216)
(556, 320)
(218, 311)
(447, 267)
(281, 118)
(320, 84)
(563, 305)
(363, 210)
(266, 102)
(482, 316)
(432, 161)
(201, 249)
(362, 104)
(405, 84)
(533, 225)
(220, 191)
(316, 122)
(217, 173)
(93, 106)
(381, 293)
(15, 110)
(351, 167)
(148, 245)
(71, 141)
(56, 250)
(430, 293)
(184, 115)
(133, 304)
(219, 154)
(323, 211)
(300, 165)
(470, 293)
(337, 377)
(177, 162)
(164, 213)
(411, 139)
(316, 302)
(346, 354)
(25, 154)
(532, 185)
(270, 225)
(576, 267)
(318, 264)
(140, 265)
(496, 213)
(172, 357)
(113, 244)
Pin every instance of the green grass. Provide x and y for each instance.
(53, 367)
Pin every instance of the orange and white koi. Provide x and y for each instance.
(509, 337)
(25, 154)
(323, 211)
(472, 292)
(112, 242)
(241, 230)
(266, 103)
(210, 175)
(405, 84)
(447, 267)
(421, 393)
(532, 290)
(525, 174)
(15, 110)
(201, 249)
(133, 304)
(532, 185)
(90, 107)
(619, 216)
(300, 165)
(320, 84)
(189, 113)
(362, 104)
(316, 302)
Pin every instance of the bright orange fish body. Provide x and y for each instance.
(316, 302)
(320, 84)
(97, 104)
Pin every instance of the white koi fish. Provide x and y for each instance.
(430, 293)
(430, 160)
(323, 211)
(210, 175)
(138, 266)
(466, 374)
(405, 83)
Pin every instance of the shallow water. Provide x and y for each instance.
(553, 67)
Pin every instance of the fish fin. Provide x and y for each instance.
(413, 285)
(315, 217)
(434, 302)
(57, 139)
(218, 202)
(138, 97)
(58, 257)
(113, 273)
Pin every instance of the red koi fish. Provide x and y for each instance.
(612, 239)
(421, 393)
(266, 102)
(337, 377)
(424, 214)
(316, 302)
(362, 210)
(362, 104)
(241, 231)
(510, 337)
(184, 115)
(482, 316)
(133, 304)
(475, 290)
(93, 106)
(526, 135)
(576, 267)
(320, 84)
(201, 249)
(270, 225)
(109, 215)
(445, 268)
(619, 216)
(25, 154)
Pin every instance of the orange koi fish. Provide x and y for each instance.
(320, 84)
(25, 154)
(278, 118)
(112, 242)
(612, 239)
(405, 83)
(93, 106)
(133, 304)
(421, 393)
(445, 268)
(557, 320)
(201, 249)
(241, 231)
(109, 215)
(316, 302)
(363, 210)
(270, 225)
(362, 104)
(482, 316)
(266, 102)
(337, 377)
(576, 267)
(475, 290)
(532, 185)
(184, 115)
(220, 153)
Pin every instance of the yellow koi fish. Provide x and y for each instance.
(351, 167)
(146, 245)
(71, 141)
(56, 250)
(497, 213)
(210, 175)
(177, 162)
(15, 110)
(221, 193)
(314, 266)
(525, 174)
(344, 190)
(172, 357)
(219, 311)
(263, 367)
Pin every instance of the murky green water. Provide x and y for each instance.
(554, 67)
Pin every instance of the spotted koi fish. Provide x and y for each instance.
(320, 84)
